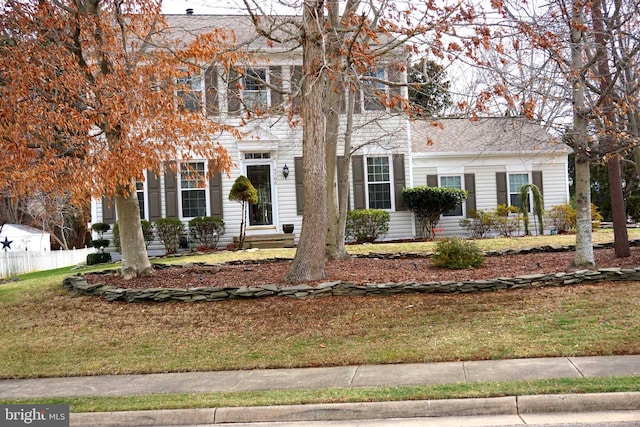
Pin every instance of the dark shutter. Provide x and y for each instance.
(470, 186)
(171, 192)
(211, 89)
(215, 194)
(275, 79)
(339, 167)
(432, 180)
(153, 193)
(296, 82)
(536, 176)
(233, 92)
(297, 171)
(501, 187)
(359, 200)
(108, 210)
(399, 181)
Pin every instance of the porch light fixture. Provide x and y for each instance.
(285, 171)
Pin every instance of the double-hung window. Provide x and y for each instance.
(374, 89)
(517, 180)
(378, 183)
(454, 181)
(190, 91)
(193, 189)
(255, 94)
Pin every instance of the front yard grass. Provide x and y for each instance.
(47, 332)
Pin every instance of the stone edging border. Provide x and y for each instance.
(340, 288)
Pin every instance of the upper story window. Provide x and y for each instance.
(372, 89)
(454, 181)
(190, 91)
(193, 185)
(255, 92)
(378, 183)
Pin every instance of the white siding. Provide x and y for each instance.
(554, 179)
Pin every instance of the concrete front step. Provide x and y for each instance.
(264, 241)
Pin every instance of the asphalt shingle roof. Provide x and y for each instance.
(484, 135)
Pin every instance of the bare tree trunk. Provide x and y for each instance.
(334, 98)
(584, 240)
(309, 261)
(620, 236)
(332, 112)
(135, 260)
(343, 202)
(621, 239)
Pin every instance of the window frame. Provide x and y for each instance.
(517, 193)
(187, 89)
(389, 182)
(369, 100)
(462, 206)
(204, 187)
(262, 84)
(144, 209)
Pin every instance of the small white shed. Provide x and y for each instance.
(18, 237)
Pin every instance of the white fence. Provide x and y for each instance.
(14, 263)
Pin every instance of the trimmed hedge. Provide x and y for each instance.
(98, 258)
(367, 225)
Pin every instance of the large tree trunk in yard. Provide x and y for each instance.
(610, 143)
(620, 236)
(334, 98)
(135, 260)
(331, 139)
(309, 261)
(584, 240)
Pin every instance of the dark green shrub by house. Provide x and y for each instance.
(100, 243)
(98, 258)
(206, 230)
(169, 231)
(456, 253)
(100, 228)
(147, 232)
(367, 225)
(429, 203)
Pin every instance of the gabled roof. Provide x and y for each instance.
(186, 27)
(495, 135)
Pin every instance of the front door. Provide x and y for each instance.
(261, 213)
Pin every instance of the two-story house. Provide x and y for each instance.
(390, 152)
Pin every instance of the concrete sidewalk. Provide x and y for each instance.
(345, 377)
(318, 378)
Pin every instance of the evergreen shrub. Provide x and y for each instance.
(457, 254)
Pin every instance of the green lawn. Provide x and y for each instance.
(48, 332)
